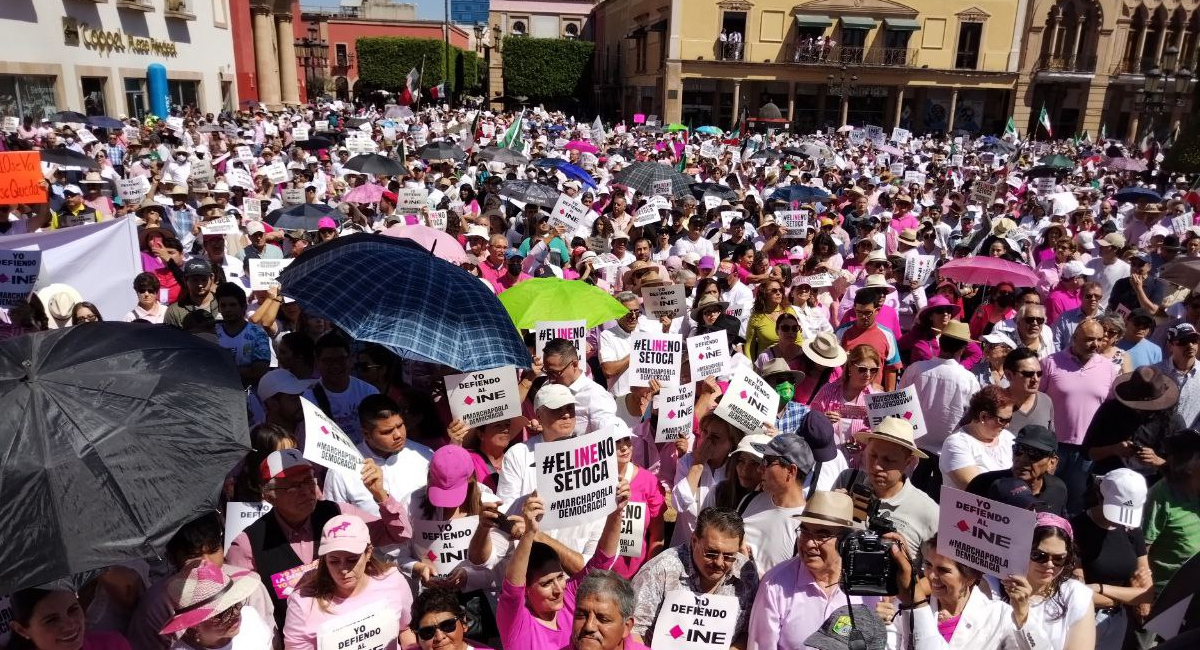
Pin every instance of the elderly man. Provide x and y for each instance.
(495, 264)
(1065, 296)
(1180, 365)
(1030, 330)
(1091, 296)
(616, 344)
(604, 607)
(595, 407)
(1034, 459)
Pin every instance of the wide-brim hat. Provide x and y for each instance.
(957, 329)
(828, 509)
(1145, 389)
(706, 303)
(824, 350)
(201, 591)
(878, 281)
(897, 431)
(654, 280)
(778, 367)
(151, 204)
(908, 237)
(93, 178)
(637, 267)
(59, 299)
(939, 302)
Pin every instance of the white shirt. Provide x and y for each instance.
(688, 504)
(137, 312)
(344, 405)
(253, 634)
(403, 473)
(962, 449)
(701, 247)
(770, 532)
(616, 344)
(594, 407)
(1106, 275)
(741, 303)
(944, 387)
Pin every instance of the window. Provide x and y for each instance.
(93, 95)
(733, 26)
(518, 28)
(27, 95)
(339, 51)
(183, 93)
(135, 98)
(640, 43)
(571, 32)
(968, 45)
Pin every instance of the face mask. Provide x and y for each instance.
(786, 390)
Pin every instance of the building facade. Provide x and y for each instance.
(1086, 62)
(469, 12)
(265, 51)
(535, 19)
(93, 56)
(924, 65)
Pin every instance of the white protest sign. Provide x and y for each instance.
(692, 621)
(1180, 224)
(983, 192)
(708, 355)
(293, 196)
(130, 133)
(605, 261)
(749, 402)
(898, 403)
(373, 627)
(710, 149)
(633, 529)
(857, 137)
(484, 396)
(659, 202)
(11, 124)
(252, 209)
(896, 169)
(412, 198)
(676, 406)
(85, 137)
(918, 267)
(360, 143)
(276, 172)
(655, 356)
(900, 136)
(956, 160)
(711, 202)
(437, 219)
(244, 154)
(816, 281)
(572, 330)
(567, 212)
(264, 273)
(911, 177)
(389, 133)
(991, 536)
(239, 178)
(299, 133)
(239, 515)
(662, 187)
(202, 172)
(131, 190)
(175, 123)
(669, 300)
(326, 445)
(646, 214)
(796, 222)
(220, 226)
(444, 544)
(577, 478)
(19, 271)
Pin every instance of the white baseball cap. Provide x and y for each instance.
(1074, 269)
(552, 396)
(281, 381)
(746, 446)
(1123, 493)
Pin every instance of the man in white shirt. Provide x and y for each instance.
(736, 293)
(770, 532)
(616, 345)
(337, 393)
(594, 406)
(694, 242)
(944, 387)
(404, 463)
(1108, 266)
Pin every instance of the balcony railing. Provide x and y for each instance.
(181, 9)
(1047, 63)
(839, 55)
(137, 5)
(1135, 65)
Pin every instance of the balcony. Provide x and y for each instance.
(842, 55)
(136, 5)
(1134, 65)
(1057, 65)
(179, 9)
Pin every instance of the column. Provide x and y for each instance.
(845, 117)
(822, 93)
(791, 114)
(1132, 134)
(899, 107)
(1141, 47)
(1056, 38)
(289, 86)
(1162, 44)
(953, 110)
(737, 101)
(1077, 52)
(266, 64)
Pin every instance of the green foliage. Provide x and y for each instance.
(1184, 155)
(547, 68)
(384, 62)
(469, 76)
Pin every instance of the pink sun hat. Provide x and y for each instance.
(201, 591)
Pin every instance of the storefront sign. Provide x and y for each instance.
(115, 40)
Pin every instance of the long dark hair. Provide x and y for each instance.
(23, 603)
(1057, 603)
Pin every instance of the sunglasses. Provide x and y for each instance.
(713, 556)
(1034, 320)
(447, 626)
(1030, 374)
(867, 370)
(1002, 421)
(1029, 452)
(1041, 557)
(227, 617)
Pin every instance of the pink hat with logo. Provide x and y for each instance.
(201, 591)
(449, 473)
(326, 223)
(344, 533)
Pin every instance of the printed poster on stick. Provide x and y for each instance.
(656, 357)
(484, 396)
(692, 621)
(264, 273)
(898, 403)
(633, 529)
(749, 402)
(326, 445)
(982, 193)
(577, 478)
(796, 221)
(991, 536)
(675, 405)
(572, 330)
(668, 301)
(444, 544)
(131, 190)
(646, 214)
(373, 627)
(708, 355)
(918, 268)
(239, 515)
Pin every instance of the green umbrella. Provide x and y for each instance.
(1058, 160)
(676, 126)
(544, 299)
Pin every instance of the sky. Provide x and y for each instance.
(426, 9)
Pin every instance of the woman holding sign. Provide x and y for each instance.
(845, 402)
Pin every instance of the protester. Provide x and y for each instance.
(338, 393)
(211, 609)
(982, 443)
(1034, 459)
(438, 621)
(53, 619)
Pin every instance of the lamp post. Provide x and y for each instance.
(1163, 89)
(842, 86)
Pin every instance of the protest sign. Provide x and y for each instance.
(710, 149)
(816, 281)
(691, 621)
(708, 355)
(444, 544)
(668, 300)
(918, 267)
(130, 133)
(646, 214)
(900, 136)
(1181, 224)
(988, 535)
(639, 118)
(175, 123)
(571, 330)
(662, 187)
(264, 273)
(987, 158)
(239, 515)
(633, 529)
(727, 217)
(276, 173)
(797, 222)
(389, 133)
(293, 196)
(299, 133)
(131, 190)
(567, 212)
(659, 202)
(898, 403)
(676, 405)
(11, 124)
(982, 193)
(956, 160)
(749, 402)
(252, 209)
(655, 356)
(711, 202)
(85, 136)
(202, 172)
(244, 154)
(484, 396)
(1044, 184)
(22, 174)
(605, 261)
(577, 478)
(19, 271)
(374, 627)
(914, 177)
(220, 226)
(412, 198)
(857, 137)
(359, 143)
(326, 445)
(896, 169)
(239, 178)
(285, 582)
(437, 219)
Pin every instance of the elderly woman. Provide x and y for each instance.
(983, 442)
(211, 612)
(438, 621)
(990, 369)
(53, 619)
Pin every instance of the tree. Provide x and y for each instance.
(547, 69)
(384, 61)
(1184, 155)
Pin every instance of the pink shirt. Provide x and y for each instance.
(1077, 390)
(100, 640)
(790, 606)
(504, 281)
(305, 616)
(829, 398)
(644, 488)
(519, 630)
(1059, 302)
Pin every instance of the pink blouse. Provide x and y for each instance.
(853, 414)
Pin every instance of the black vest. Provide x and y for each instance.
(273, 553)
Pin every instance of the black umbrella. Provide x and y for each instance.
(105, 122)
(441, 150)
(700, 190)
(68, 158)
(373, 163)
(305, 216)
(355, 122)
(68, 116)
(641, 176)
(112, 436)
(503, 155)
(793, 151)
(766, 154)
(1041, 171)
(530, 192)
(314, 143)
(211, 128)
(999, 147)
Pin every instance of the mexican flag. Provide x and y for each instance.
(512, 137)
(1010, 129)
(1044, 120)
(411, 88)
(438, 91)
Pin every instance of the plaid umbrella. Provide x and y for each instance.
(441, 150)
(393, 292)
(642, 175)
(373, 163)
(504, 155)
(800, 194)
(1123, 164)
(530, 192)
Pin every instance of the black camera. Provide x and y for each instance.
(868, 568)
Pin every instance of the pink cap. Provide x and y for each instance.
(326, 222)
(707, 262)
(345, 533)
(449, 471)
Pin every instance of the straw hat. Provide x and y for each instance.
(897, 431)
(957, 329)
(829, 509)
(706, 303)
(824, 350)
(201, 591)
(93, 178)
(637, 267)
(877, 281)
(776, 367)
(59, 299)
(908, 236)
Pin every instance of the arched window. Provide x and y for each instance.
(518, 28)
(571, 32)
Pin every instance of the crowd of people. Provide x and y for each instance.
(1067, 387)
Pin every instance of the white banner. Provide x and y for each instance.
(574, 331)
(669, 300)
(326, 445)
(220, 226)
(988, 535)
(749, 402)
(898, 403)
(708, 355)
(577, 478)
(264, 273)
(239, 515)
(633, 529)
(676, 406)
(444, 544)
(374, 627)
(691, 621)
(646, 214)
(567, 212)
(655, 356)
(484, 396)
(18, 274)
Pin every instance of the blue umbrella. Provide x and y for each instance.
(1135, 194)
(567, 168)
(393, 292)
(105, 122)
(800, 194)
(710, 130)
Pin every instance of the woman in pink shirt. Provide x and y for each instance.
(537, 600)
(348, 584)
(645, 489)
(53, 619)
(487, 445)
(844, 402)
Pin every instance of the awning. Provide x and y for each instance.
(858, 22)
(902, 24)
(813, 20)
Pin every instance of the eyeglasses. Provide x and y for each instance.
(90, 318)
(1000, 420)
(227, 617)
(867, 370)
(713, 556)
(447, 626)
(1029, 452)
(774, 290)
(1039, 556)
(1093, 296)
(1034, 320)
(819, 536)
(1030, 374)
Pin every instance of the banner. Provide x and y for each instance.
(898, 403)
(484, 396)
(692, 621)
(567, 212)
(412, 199)
(18, 274)
(633, 529)
(444, 544)
(676, 406)
(572, 330)
(988, 535)
(749, 402)
(22, 174)
(264, 273)
(669, 300)
(577, 478)
(646, 214)
(373, 627)
(708, 355)
(918, 267)
(326, 445)
(655, 356)
(239, 515)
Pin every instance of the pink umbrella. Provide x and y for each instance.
(988, 271)
(580, 145)
(369, 193)
(435, 241)
(887, 148)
